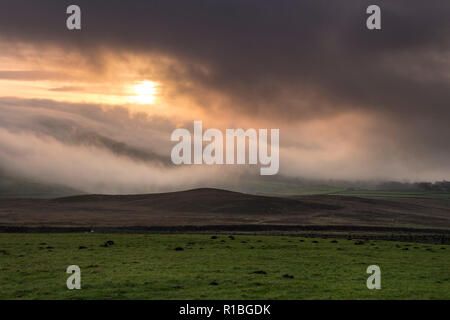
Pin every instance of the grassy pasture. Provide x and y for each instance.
(32, 266)
(291, 189)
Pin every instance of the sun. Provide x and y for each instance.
(145, 92)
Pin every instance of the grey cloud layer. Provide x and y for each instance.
(290, 61)
(114, 129)
(92, 149)
(268, 55)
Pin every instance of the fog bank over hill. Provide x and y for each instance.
(16, 186)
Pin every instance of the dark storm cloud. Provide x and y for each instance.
(268, 55)
(281, 60)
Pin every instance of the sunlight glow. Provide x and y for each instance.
(145, 92)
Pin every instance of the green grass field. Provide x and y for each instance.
(393, 194)
(292, 189)
(32, 266)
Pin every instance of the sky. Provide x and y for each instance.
(94, 109)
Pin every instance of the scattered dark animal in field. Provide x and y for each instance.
(82, 247)
(49, 247)
(358, 243)
(334, 241)
(288, 276)
(4, 252)
(178, 249)
(315, 241)
(301, 240)
(442, 248)
(222, 241)
(213, 283)
(108, 243)
(339, 249)
(405, 249)
(42, 244)
(259, 241)
(214, 237)
(252, 248)
(429, 249)
(259, 272)
(243, 241)
(231, 237)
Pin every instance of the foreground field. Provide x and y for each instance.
(204, 267)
